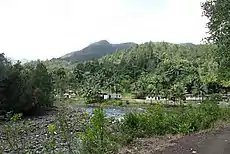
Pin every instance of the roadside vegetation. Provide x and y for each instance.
(78, 132)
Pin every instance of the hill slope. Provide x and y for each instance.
(95, 51)
(159, 68)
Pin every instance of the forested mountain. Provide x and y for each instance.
(153, 69)
(165, 69)
(95, 50)
(161, 68)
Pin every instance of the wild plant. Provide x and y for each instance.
(14, 132)
(50, 143)
(97, 137)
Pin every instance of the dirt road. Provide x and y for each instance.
(213, 142)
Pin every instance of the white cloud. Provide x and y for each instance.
(50, 28)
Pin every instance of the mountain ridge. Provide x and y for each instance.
(95, 50)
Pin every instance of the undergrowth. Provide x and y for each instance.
(99, 135)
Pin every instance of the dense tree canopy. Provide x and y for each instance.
(23, 88)
(165, 69)
(155, 69)
(217, 12)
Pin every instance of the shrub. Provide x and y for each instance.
(158, 120)
(97, 137)
(11, 132)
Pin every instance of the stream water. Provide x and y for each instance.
(114, 112)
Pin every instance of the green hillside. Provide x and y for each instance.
(166, 69)
(153, 69)
(95, 50)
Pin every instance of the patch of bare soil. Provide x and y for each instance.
(149, 145)
(216, 141)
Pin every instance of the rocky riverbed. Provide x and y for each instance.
(32, 134)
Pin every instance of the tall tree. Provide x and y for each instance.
(217, 12)
(60, 80)
(42, 82)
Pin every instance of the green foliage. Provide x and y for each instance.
(50, 144)
(216, 97)
(115, 102)
(16, 117)
(60, 78)
(51, 129)
(23, 88)
(64, 135)
(154, 69)
(42, 80)
(160, 121)
(97, 137)
(217, 13)
(165, 69)
(11, 131)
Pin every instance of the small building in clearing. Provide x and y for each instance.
(69, 94)
(149, 98)
(112, 96)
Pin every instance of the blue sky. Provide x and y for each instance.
(41, 29)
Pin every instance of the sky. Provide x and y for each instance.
(44, 29)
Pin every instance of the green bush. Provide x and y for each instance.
(114, 102)
(97, 137)
(158, 120)
(216, 97)
(120, 103)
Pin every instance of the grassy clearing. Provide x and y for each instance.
(100, 135)
(105, 103)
